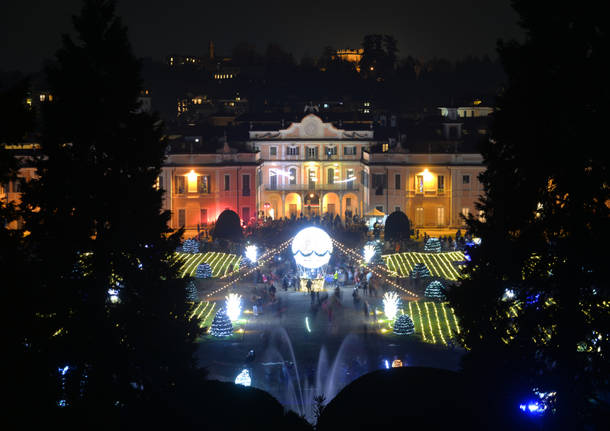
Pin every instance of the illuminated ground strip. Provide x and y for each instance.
(203, 307)
(439, 264)
(435, 326)
(355, 255)
(244, 272)
(222, 264)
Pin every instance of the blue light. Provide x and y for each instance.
(64, 370)
(387, 364)
(533, 408)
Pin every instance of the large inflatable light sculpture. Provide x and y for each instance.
(311, 249)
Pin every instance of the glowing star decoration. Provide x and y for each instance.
(243, 378)
(252, 253)
(369, 252)
(390, 304)
(233, 306)
(312, 248)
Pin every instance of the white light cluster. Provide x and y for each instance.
(243, 378)
(233, 306)
(252, 253)
(369, 252)
(390, 304)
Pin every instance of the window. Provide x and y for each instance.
(397, 181)
(203, 184)
(331, 176)
(272, 180)
(385, 147)
(441, 183)
(181, 217)
(227, 182)
(273, 151)
(465, 179)
(419, 216)
(179, 184)
(203, 216)
(293, 176)
(419, 184)
(245, 214)
(331, 151)
(312, 153)
(350, 174)
(293, 151)
(364, 178)
(160, 183)
(379, 183)
(349, 151)
(245, 185)
(311, 177)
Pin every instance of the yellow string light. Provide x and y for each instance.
(438, 323)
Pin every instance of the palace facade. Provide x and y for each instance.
(311, 167)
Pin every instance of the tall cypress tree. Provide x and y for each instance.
(546, 219)
(97, 224)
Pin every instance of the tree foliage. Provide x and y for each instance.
(397, 227)
(228, 226)
(95, 223)
(546, 217)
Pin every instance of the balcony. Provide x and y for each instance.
(340, 187)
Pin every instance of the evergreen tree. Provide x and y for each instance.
(397, 227)
(204, 270)
(404, 325)
(546, 220)
(190, 246)
(435, 291)
(433, 245)
(221, 325)
(192, 294)
(98, 220)
(420, 270)
(228, 226)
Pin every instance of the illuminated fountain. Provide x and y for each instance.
(311, 249)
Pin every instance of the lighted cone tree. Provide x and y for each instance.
(190, 246)
(435, 291)
(221, 325)
(204, 270)
(420, 271)
(433, 245)
(404, 325)
(191, 291)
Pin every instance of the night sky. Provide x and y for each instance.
(30, 29)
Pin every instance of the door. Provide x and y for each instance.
(181, 217)
(419, 216)
(331, 209)
(292, 210)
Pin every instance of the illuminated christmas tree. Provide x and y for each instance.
(435, 291)
(191, 291)
(204, 270)
(420, 271)
(433, 245)
(404, 325)
(221, 325)
(190, 246)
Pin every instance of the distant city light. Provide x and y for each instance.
(113, 295)
(243, 378)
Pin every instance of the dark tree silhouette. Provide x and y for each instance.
(546, 220)
(228, 226)
(397, 227)
(98, 225)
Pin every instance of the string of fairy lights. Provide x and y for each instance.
(439, 264)
(244, 272)
(355, 255)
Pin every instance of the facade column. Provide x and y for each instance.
(283, 204)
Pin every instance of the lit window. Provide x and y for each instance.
(385, 147)
(419, 183)
(441, 183)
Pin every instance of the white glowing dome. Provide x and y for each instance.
(312, 247)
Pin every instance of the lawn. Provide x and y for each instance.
(434, 322)
(222, 263)
(440, 264)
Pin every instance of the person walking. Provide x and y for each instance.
(308, 285)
